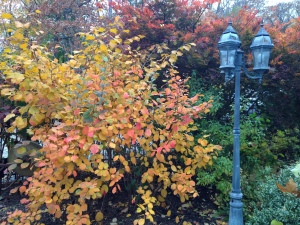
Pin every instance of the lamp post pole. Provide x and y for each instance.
(236, 205)
(231, 63)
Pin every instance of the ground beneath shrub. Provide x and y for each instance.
(198, 211)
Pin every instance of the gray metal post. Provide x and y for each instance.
(236, 205)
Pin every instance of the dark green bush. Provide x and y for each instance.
(273, 204)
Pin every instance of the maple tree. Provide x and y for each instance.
(98, 116)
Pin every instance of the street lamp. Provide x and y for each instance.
(231, 63)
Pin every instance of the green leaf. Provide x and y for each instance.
(21, 150)
(87, 116)
(105, 59)
(12, 167)
(275, 222)
(296, 170)
(18, 160)
(24, 165)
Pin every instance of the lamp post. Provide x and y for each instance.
(231, 63)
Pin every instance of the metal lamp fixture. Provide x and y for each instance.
(231, 63)
(261, 48)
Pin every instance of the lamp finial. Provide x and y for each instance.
(262, 23)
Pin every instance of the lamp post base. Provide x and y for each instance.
(236, 209)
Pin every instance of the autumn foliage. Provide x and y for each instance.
(100, 117)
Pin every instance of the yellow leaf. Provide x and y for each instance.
(21, 122)
(114, 30)
(9, 116)
(104, 188)
(38, 11)
(112, 145)
(89, 37)
(139, 210)
(188, 161)
(19, 36)
(6, 16)
(6, 91)
(141, 221)
(177, 219)
(101, 29)
(160, 157)
(179, 187)
(127, 169)
(203, 142)
(169, 213)
(72, 62)
(99, 216)
(103, 48)
(23, 46)
(112, 44)
(174, 168)
(38, 117)
(16, 77)
(164, 193)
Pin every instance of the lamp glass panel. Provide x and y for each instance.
(227, 58)
(231, 58)
(257, 58)
(261, 58)
(223, 58)
(265, 57)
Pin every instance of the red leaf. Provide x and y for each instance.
(130, 133)
(68, 139)
(76, 111)
(148, 133)
(159, 150)
(24, 201)
(138, 126)
(172, 144)
(94, 148)
(85, 130)
(126, 95)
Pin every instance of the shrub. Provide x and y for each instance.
(102, 120)
(273, 204)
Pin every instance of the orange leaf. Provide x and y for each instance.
(22, 189)
(291, 187)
